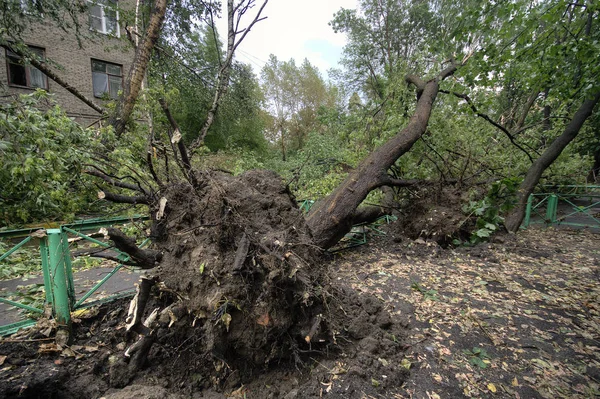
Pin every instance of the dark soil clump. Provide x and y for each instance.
(434, 213)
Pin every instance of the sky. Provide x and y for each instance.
(294, 29)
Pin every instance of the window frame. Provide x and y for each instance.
(102, 4)
(26, 66)
(108, 76)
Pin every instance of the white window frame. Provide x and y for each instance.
(102, 4)
(108, 75)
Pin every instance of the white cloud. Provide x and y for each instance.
(294, 29)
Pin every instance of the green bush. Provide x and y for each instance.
(42, 153)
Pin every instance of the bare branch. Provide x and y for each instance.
(177, 133)
(144, 258)
(124, 199)
(42, 66)
(149, 154)
(116, 182)
(233, 22)
(490, 120)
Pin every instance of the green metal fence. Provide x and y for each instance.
(575, 206)
(56, 267)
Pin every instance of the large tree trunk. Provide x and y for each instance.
(515, 218)
(333, 217)
(133, 84)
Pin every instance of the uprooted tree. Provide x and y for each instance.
(239, 262)
(234, 271)
(234, 257)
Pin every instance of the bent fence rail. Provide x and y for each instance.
(56, 267)
(575, 206)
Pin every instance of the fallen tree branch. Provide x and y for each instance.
(116, 182)
(144, 258)
(123, 199)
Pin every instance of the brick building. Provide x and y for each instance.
(96, 68)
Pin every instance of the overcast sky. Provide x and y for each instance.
(294, 29)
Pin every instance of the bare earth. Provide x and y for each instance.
(517, 318)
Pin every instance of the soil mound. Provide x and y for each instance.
(434, 213)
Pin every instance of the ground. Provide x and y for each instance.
(515, 318)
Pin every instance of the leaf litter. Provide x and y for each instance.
(518, 317)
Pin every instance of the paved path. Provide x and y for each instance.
(122, 281)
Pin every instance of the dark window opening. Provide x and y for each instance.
(21, 73)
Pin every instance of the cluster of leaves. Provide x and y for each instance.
(22, 262)
(43, 152)
(489, 210)
(477, 357)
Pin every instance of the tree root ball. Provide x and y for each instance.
(239, 256)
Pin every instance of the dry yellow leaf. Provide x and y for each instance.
(491, 387)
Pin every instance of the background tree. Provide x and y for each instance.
(295, 96)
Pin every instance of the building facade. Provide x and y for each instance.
(95, 64)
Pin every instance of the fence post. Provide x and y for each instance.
(551, 210)
(68, 268)
(58, 278)
(528, 211)
(46, 269)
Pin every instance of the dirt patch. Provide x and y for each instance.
(516, 318)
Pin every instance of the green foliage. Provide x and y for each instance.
(20, 263)
(43, 152)
(428, 294)
(488, 211)
(297, 100)
(32, 295)
(478, 357)
(186, 84)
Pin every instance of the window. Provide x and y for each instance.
(104, 16)
(107, 78)
(22, 74)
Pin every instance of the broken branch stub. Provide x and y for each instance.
(144, 258)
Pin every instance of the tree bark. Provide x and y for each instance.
(331, 218)
(133, 84)
(144, 258)
(515, 218)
